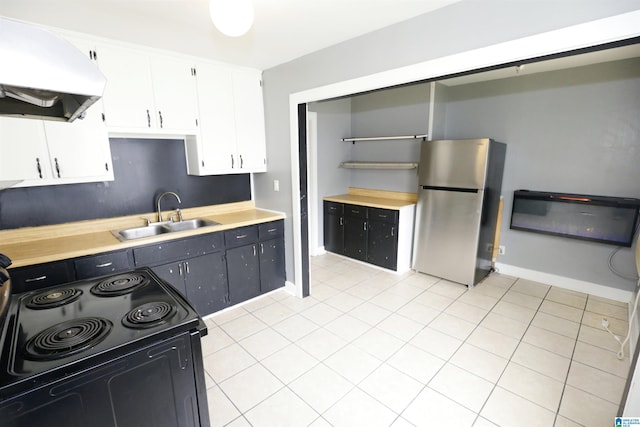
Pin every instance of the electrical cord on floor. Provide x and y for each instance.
(605, 324)
(613, 268)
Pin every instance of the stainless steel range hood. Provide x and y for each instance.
(43, 76)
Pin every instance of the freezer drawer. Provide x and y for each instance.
(447, 224)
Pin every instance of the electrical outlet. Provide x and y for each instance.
(501, 250)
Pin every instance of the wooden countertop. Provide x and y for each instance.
(375, 198)
(35, 245)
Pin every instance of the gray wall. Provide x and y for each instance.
(462, 26)
(573, 131)
(334, 123)
(398, 111)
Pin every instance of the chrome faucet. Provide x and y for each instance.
(160, 198)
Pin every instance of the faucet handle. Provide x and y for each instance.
(147, 220)
(178, 214)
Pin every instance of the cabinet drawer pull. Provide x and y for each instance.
(36, 279)
(382, 216)
(106, 264)
(271, 230)
(241, 236)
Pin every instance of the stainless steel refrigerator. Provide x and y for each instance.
(458, 196)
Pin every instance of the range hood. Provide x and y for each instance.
(44, 76)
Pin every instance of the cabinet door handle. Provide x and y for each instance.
(262, 248)
(106, 264)
(148, 119)
(341, 221)
(35, 279)
(392, 231)
(39, 167)
(364, 226)
(254, 250)
(160, 114)
(57, 167)
(180, 269)
(241, 162)
(232, 161)
(186, 267)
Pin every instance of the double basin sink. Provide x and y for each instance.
(157, 228)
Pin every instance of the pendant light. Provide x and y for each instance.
(232, 18)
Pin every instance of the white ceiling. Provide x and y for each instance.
(283, 29)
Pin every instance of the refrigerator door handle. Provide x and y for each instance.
(458, 189)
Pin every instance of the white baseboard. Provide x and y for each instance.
(566, 283)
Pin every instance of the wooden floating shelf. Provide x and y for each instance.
(379, 165)
(384, 138)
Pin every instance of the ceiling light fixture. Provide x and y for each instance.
(232, 18)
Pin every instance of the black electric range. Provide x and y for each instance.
(122, 350)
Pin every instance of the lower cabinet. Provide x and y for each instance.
(382, 237)
(202, 280)
(212, 270)
(355, 232)
(243, 268)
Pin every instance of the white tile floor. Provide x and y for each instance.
(371, 348)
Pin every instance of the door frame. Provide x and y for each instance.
(552, 43)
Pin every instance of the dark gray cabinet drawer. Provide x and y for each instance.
(333, 208)
(387, 215)
(41, 276)
(100, 265)
(240, 236)
(271, 230)
(355, 211)
(175, 250)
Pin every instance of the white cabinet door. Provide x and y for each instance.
(249, 115)
(174, 88)
(231, 138)
(217, 121)
(23, 150)
(128, 96)
(79, 151)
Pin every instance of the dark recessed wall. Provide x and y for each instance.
(143, 169)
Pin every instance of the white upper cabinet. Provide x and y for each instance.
(128, 97)
(232, 137)
(148, 92)
(23, 150)
(174, 89)
(79, 151)
(249, 114)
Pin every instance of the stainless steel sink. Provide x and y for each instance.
(158, 228)
(189, 224)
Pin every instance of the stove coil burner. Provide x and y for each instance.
(149, 315)
(54, 298)
(67, 338)
(119, 285)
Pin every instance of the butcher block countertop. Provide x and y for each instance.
(35, 245)
(375, 198)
